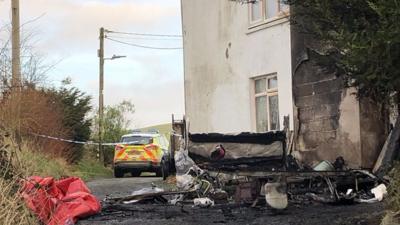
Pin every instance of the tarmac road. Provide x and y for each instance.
(156, 214)
(117, 187)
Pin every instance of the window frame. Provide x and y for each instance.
(279, 13)
(269, 92)
(250, 9)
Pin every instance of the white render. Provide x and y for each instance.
(221, 56)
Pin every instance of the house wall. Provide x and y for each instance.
(329, 119)
(374, 129)
(221, 55)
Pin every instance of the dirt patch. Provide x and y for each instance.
(315, 214)
(154, 214)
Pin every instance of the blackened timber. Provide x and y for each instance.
(245, 137)
(390, 151)
(242, 164)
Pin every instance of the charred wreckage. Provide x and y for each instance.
(256, 168)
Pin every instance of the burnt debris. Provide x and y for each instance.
(253, 169)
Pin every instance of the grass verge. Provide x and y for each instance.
(17, 163)
(89, 168)
(40, 164)
(392, 216)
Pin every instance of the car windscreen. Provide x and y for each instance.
(137, 140)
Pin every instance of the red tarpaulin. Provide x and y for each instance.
(59, 202)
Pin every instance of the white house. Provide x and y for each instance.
(237, 65)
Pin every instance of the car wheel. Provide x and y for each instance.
(163, 171)
(136, 173)
(118, 173)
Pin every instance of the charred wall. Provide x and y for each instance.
(329, 119)
(374, 130)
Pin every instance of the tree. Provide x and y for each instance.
(115, 124)
(360, 41)
(58, 112)
(34, 67)
(75, 106)
(39, 114)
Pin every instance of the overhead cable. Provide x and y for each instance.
(144, 34)
(144, 46)
(145, 38)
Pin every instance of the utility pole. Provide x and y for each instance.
(15, 42)
(16, 69)
(101, 97)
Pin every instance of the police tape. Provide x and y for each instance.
(80, 142)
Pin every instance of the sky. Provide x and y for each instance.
(66, 34)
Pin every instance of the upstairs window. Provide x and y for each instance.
(256, 11)
(271, 8)
(264, 10)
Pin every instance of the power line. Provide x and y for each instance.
(145, 38)
(144, 34)
(144, 46)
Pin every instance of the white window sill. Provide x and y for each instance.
(268, 23)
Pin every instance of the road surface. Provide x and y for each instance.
(157, 214)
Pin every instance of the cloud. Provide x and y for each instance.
(74, 24)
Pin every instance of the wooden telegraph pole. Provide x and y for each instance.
(15, 42)
(16, 85)
(101, 97)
